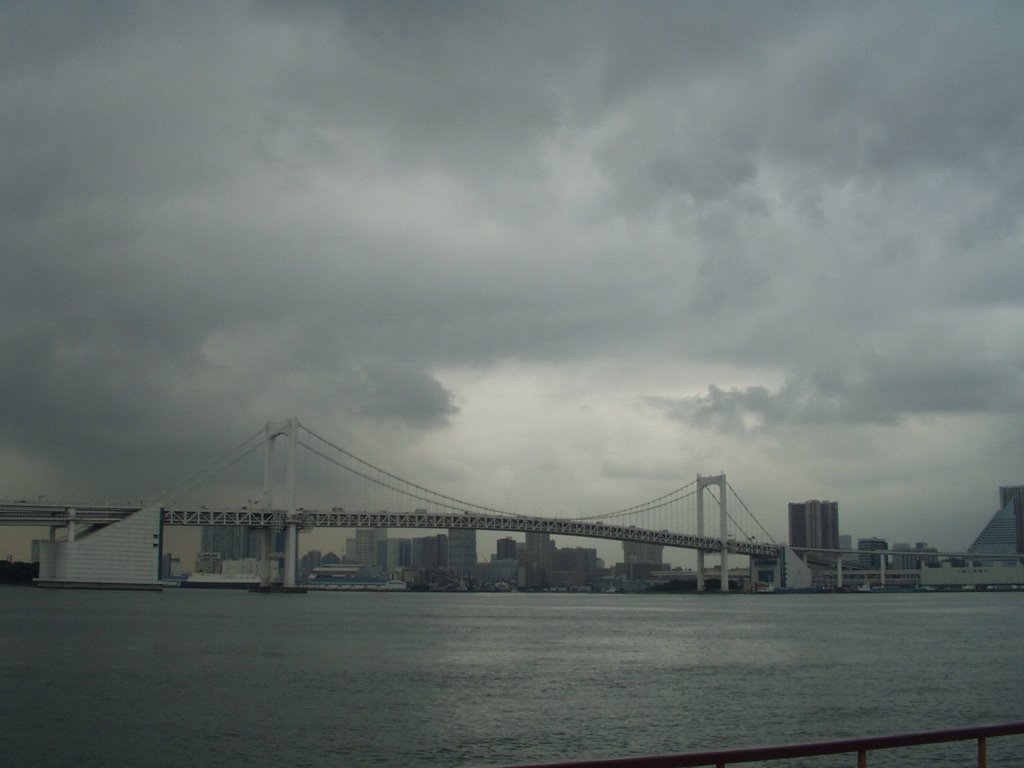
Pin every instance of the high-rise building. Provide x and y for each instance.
(462, 551)
(398, 554)
(642, 552)
(539, 551)
(575, 567)
(506, 549)
(430, 552)
(368, 545)
(231, 542)
(813, 524)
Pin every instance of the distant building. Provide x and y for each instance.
(503, 569)
(462, 551)
(330, 558)
(642, 552)
(506, 549)
(538, 552)
(310, 561)
(231, 542)
(574, 568)
(901, 562)
(368, 545)
(868, 545)
(814, 524)
(430, 552)
(398, 554)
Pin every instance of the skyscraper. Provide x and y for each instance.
(368, 545)
(641, 552)
(231, 542)
(430, 552)
(814, 523)
(462, 551)
(540, 550)
(506, 548)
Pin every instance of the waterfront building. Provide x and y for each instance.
(330, 558)
(503, 570)
(1002, 532)
(462, 551)
(814, 523)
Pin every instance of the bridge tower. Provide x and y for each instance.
(289, 522)
(702, 483)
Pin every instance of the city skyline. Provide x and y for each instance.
(552, 258)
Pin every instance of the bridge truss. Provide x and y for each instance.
(675, 519)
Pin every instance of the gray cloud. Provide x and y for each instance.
(221, 215)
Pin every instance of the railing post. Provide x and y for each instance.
(982, 756)
(862, 758)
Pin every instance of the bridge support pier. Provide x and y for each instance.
(291, 546)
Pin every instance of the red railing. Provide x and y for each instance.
(860, 747)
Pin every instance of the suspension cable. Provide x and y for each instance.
(401, 480)
(204, 473)
(752, 516)
(642, 507)
(380, 483)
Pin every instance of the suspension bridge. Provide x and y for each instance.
(97, 545)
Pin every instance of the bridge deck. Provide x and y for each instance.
(40, 514)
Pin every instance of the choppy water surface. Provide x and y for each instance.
(205, 678)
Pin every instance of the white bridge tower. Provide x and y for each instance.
(702, 483)
(289, 520)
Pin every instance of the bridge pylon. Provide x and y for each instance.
(702, 483)
(290, 524)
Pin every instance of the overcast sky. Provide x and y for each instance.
(556, 257)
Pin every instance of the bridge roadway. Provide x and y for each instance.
(59, 515)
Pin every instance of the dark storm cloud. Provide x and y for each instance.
(216, 215)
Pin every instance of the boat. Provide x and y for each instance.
(221, 581)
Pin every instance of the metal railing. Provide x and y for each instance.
(860, 747)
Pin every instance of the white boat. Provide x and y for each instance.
(221, 581)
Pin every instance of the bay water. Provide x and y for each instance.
(224, 678)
